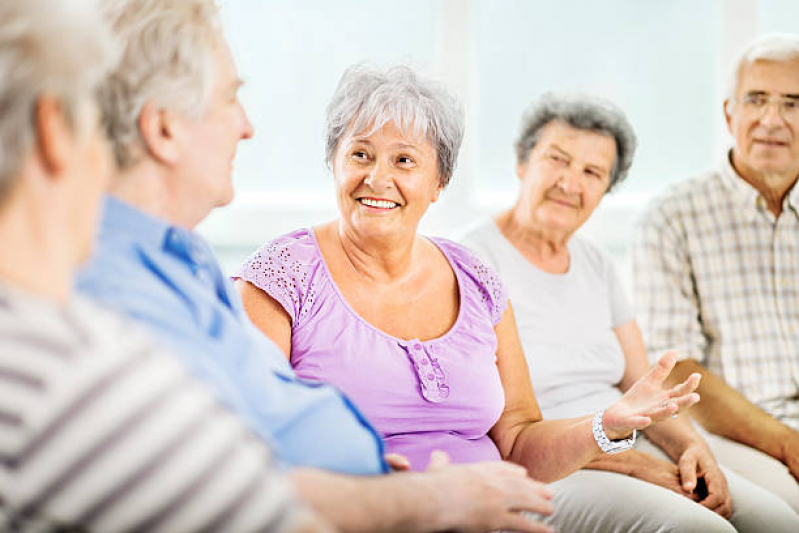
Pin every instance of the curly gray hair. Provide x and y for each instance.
(369, 98)
(583, 112)
(61, 49)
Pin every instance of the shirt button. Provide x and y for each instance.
(417, 346)
(424, 361)
(430, 376)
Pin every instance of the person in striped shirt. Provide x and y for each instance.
(99, 430)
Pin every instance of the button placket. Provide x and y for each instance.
(429, 373)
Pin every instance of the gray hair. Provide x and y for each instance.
(59, 49)
(583, 112)
(767, 47)
(168, 48)
(367, 97)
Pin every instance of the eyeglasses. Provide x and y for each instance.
(756, 104)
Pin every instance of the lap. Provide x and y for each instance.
(593, 500)
(757, 467)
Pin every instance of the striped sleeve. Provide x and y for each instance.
(110, 434)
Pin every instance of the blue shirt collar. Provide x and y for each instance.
(124, 219)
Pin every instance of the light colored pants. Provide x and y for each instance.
(757, 467)
(606, 502)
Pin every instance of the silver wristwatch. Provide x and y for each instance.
(605, 444)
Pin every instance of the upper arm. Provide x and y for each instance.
(635, 360)
(667, 305)
(266, 314)
(521, 406)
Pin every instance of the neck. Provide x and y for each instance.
(378, 259)
(146, 187)
(37, 257)
(773, 187)
(546, 248)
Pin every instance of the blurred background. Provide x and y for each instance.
(665, 62)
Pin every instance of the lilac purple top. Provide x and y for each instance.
(441, 394)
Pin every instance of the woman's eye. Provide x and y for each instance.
(404, 160)
(359, 154)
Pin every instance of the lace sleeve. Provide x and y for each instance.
(284, 268)
(492, 292)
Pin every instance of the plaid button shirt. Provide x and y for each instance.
(716, 277)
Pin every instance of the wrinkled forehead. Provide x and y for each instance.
(411, 131)
(779, 78)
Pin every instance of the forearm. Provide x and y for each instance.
(627, 463)
(726, 412)
(674, 436)
(392, 503)
(553, 449)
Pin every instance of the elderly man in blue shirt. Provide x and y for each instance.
(174, 120)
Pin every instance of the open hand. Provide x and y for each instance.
(489, 496)
(646, 402)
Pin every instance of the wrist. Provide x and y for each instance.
(610, 444)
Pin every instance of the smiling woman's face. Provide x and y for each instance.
(385, 181)
(565, 176)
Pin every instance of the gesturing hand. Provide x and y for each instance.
(646, 402)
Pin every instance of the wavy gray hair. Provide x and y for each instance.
(60, 49)
(767, 47)
(168, 48)
(367, 98)
(583, 112)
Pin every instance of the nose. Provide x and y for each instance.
(569, 182)
(772, 115)
(379, 176)
(247, 129)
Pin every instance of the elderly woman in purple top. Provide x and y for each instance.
(418, 331)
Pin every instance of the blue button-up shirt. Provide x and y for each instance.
(167, 278)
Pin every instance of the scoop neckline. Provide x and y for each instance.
(520, 256)
(351, 310)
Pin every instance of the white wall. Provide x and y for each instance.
(665, 62)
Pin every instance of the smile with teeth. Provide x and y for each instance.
(382, 204)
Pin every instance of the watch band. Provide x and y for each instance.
(605, 444)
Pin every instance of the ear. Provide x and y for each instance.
(437, 194)
(520, 170)
(54, 135)
(159, 131)
(728, 113)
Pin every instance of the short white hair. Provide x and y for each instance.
(167, 58)
(780, 47)
(60, 49)
(367, 98)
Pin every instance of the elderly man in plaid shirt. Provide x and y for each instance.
(716, 266)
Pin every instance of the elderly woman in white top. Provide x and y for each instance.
(582, 345)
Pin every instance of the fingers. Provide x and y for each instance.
(397, 462)
(525, 522)
(438, 460)
(686, 387)
(718, 497)
(687, 466)
(662, 369)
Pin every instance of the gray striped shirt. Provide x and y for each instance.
(99, 429)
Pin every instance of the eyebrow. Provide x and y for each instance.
(790, 96)
(589, 165)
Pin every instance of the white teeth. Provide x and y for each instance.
(383, 204)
